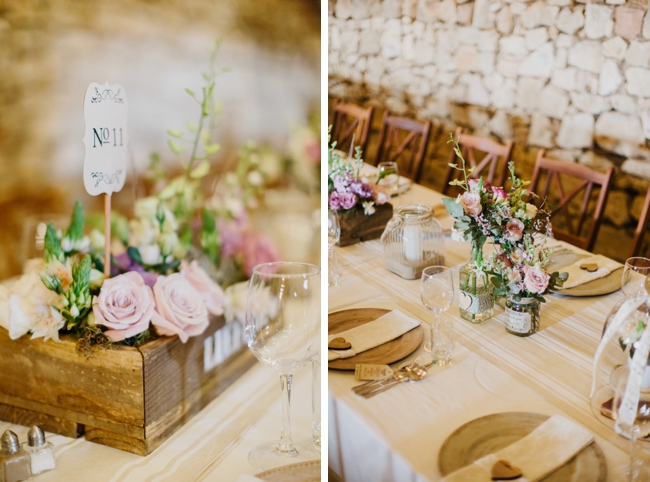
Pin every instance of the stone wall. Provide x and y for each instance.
(568, 76)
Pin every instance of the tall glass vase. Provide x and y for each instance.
(475, 297)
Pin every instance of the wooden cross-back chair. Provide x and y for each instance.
(349, 120)
(404, 141)
(495, 160)
(641, 227)
(586, 180)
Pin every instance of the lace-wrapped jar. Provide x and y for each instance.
(412, 241)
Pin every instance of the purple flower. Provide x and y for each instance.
(348, 200)
(340, 183)
(335, 201)
(123, 264)
(361, 189)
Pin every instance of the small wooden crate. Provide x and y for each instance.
(129, 398)
(357, 227)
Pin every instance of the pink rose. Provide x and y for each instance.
(348, 200)
(471, 203)
(514, 230)
(335, 201)
(180, 309)
(473, 185)
(379, 195)
(212, 294)
(535, 279)
(498, 193)
(125, 305)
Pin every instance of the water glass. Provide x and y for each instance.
(443, 342)
(333, 236)
(315, 400)
(388, 177)
(634, 276)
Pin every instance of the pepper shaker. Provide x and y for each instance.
(41, 452)
(14, 461)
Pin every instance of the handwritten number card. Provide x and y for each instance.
(106, 137)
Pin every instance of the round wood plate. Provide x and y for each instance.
(384, 354)
(300, 472)
(597, 287)
(491, 433)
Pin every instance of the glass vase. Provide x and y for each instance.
(522, 317)
(475, 302)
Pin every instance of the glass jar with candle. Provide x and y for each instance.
(412, 241)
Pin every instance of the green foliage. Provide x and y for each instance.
(210, 239)
(52, 247)
(77, 223)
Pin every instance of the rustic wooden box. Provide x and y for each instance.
(357, 227)
(129, 398)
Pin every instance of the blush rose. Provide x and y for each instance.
(212, 294)
(514, 230)
(180, 309)
(125, 305)
(535, 279)
(471, 203)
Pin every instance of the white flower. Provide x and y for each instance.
(168, 242)
(82, 245)
(97, 240)
(150, 254)
(457, 235)
(255, 178)
(29, 306)
(531, 211)
(234, 206)
(368, 208)
(146, 208)
(141, 232)
(67, 244)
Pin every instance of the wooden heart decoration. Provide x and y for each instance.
(339, 343)
(502, 470)
(591, 267)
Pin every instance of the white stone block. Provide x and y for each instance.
(586, 82)
(447, 39)
(528, 89)
(481, 19)
(619, 133)
(646, 26)
(465, 58)
(513, 47)
(637, 81)
(587, 55)
(391, 40)
(501, 126)
(369, 42)
(638, 54)
(535, 37)
(576, 131)
(426, 11)
(518, 8)
(424, 52)
(493, 81)
(610, 78)
(488, 41)
(564, 78)
(539, 63)
(564, 41)
(465, 13)
(624, 103)
(539, 14)
(561, 56)
(636, 167)
(560, 3)
(349, 42)
(570, 21)
(541, 131)
(589, 103)
(418, 29)
(467, 36)
(503, 97)
(485, 62)
(507, 68)
(615, 48)
(598, 21)
(505, 21)
(408, 47)
(553, 102)
(446, 11)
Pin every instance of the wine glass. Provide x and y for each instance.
(333, 236)
(282, 327)
(632, 422)
(437, 293)
(388, 177)
(634, 275)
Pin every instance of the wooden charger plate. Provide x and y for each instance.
(383, 354)
(300, 472)
(489, 434)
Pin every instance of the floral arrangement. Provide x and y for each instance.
(164, 261)
(347, 191)
(518, 224)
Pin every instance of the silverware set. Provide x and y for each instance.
(412, 372)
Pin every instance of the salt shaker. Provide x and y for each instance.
(14, 461)
(40, 451)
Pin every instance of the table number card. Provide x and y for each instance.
(106, 137)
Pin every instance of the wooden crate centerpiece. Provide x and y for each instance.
(130, 398)
(357, 227)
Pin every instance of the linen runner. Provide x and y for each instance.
(399, 433)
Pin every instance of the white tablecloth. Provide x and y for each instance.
(397, 434)
(213, 446)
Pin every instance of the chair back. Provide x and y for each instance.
(641, 227)
(404, 141)
(349, 120)
(483, 155)
(581, 178)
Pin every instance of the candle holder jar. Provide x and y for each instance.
(412, 241)
(522, 317)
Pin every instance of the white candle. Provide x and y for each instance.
(412, 236)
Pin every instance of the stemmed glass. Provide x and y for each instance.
(635, 425)
(333, 236)
(282, 328)
(437, 293)
(635, 273)
(388, 177)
